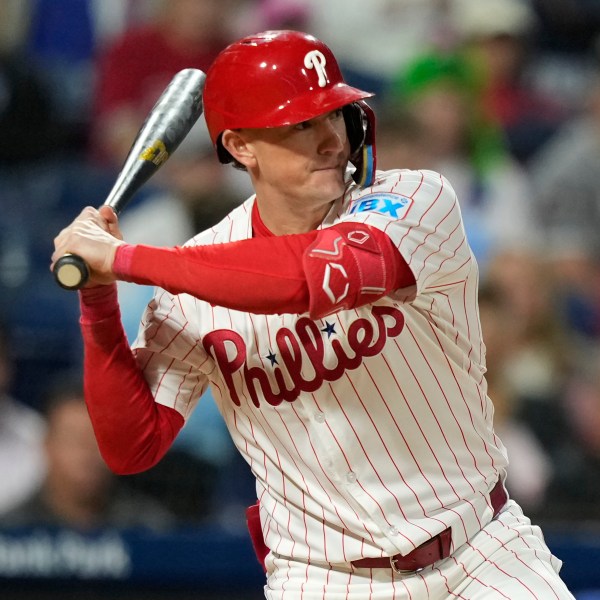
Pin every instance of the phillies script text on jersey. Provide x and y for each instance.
(363, 340)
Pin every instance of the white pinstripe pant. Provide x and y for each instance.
(507, 560)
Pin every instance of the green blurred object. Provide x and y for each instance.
(459, 71)
(438, 69)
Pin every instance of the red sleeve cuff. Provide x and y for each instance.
(123, 259)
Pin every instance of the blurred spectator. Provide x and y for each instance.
(442, 92)
(530, 465)
(567, 205)
(36, 200)
(262, 15)
(14, 21)
(21, 438)
(372, 41)
(576, 494)
(134, 70)
(29, 129)
(78, 490)
(566, 40)
(182, 483)
(541, 358)
(565, 43)
(401, 141)
(542, 353)
(62, 39)
(61, 43)
(498, 34)
(567, 26)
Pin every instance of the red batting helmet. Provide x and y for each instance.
(278, 78)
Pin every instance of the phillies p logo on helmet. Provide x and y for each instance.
(268, 80)
(316, 60)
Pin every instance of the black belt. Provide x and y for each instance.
(432, 550)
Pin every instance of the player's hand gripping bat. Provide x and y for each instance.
(165, 127)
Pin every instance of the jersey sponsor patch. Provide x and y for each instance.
(383, 203)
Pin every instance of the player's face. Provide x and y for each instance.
(302, 163)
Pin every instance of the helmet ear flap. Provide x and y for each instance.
(354, 117)
(360, 125)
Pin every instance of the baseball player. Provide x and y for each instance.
(334, 314)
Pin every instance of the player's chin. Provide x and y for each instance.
(330, 182)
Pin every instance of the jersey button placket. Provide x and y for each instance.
(351, 477)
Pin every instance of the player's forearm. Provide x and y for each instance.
(257, 277)
(132, 430)
(342, 267)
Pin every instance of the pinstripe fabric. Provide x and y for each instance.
(369, 431)
(507, 560)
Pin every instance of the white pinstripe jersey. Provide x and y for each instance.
(369, 431)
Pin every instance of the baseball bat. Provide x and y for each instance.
(166, 125)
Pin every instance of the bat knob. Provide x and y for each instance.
(71, 272)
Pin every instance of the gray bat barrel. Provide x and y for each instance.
(165, 127)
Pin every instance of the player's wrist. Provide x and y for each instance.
(121, 264)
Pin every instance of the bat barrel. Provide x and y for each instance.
(165, 127)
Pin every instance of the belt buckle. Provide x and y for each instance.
(401, 571)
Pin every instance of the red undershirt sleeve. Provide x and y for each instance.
(133, 431)
(261, 275)
(264, 275)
